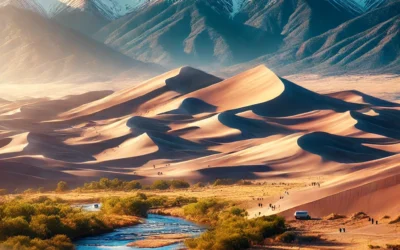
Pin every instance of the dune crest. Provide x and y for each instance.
(189, 124)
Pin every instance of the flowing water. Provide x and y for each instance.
(153, 225)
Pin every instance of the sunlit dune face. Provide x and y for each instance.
(189, 124)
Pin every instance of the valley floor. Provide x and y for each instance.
(360, 233)
(382, 86)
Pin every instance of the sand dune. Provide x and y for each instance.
(195, 126)
(141, 145)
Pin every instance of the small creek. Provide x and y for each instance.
(153, 225)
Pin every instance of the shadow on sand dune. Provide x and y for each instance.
(296, 100)
(190, 79)
(250, 128)
(234, 172)
(340, 149)
(387, 123)
(193, 106)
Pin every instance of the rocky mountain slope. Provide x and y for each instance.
(369, 43)
(36, 49)
(229, 36)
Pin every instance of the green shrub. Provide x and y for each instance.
(142, 196)
(244, 182)
(238, 211)
(44, 218)
(19, 209)
(132, 185)
(60, 242)
(287, 237)
(205, 210)
(373, 247)
(179, 184)
(158, 201)
(160, 185)
(222, 182)
(46, 226)
(134, 206)
(10, 227)
(180, 200)
(199, 185)
(230, 229)
(114, 184)
(62, 186)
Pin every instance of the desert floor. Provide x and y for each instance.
(382, 86)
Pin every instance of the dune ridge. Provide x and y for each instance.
(189, 124)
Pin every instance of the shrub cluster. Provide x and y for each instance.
(140, 204)
(114, 184)
(134, 206)
(174, 184)
(223, 182)
(45, 222)
(119, 185)
(60, 242)
(230, 227)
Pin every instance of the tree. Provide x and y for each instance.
(104, 183)
(179, 184)
(160, 185)
(3, 192)
(62, 186)
(132, 185)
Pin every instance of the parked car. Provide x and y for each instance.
(302, 215)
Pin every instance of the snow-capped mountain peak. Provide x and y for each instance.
(113, 9)
(357, 6)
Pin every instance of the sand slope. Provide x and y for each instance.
(192, 125)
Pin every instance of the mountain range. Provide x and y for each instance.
(222, 36)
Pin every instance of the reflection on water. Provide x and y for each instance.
(154, 225)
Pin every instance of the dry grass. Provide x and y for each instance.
(359, 216)
(242, 194)
(334, 217)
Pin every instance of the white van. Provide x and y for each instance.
(302, 215)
